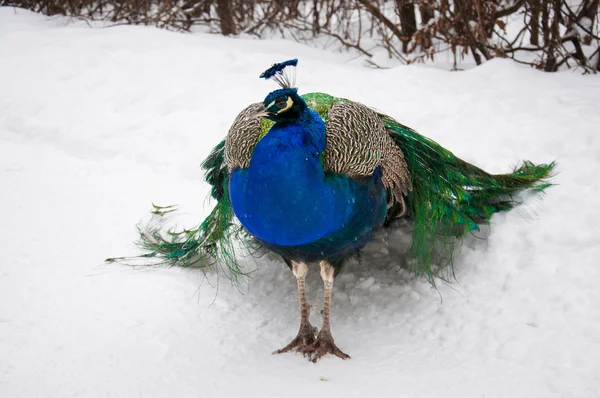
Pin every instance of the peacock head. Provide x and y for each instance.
(283, 105)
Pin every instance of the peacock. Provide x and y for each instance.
(312, 178)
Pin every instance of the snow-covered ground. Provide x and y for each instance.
(96, 124)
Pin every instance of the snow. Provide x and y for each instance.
(96, 124)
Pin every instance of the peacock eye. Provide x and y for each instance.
(281, 103)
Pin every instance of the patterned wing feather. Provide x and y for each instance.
(243, 136)
(358, 142)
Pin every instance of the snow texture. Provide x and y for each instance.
(95, 124)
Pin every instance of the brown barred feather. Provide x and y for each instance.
(396, 175)
(353, 145)
(358, 142)
(243, 137)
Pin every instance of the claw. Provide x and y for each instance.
(322, 346)
(306, 336)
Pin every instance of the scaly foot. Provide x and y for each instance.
(323, 345)
(306, 337)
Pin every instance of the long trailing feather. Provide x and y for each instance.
(210, 244)
(216, 172)
(451, 197)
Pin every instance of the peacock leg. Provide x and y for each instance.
(324, 343)
(306, 334)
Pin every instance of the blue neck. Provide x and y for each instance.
(294, 146)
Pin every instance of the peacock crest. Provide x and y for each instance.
(284, 73)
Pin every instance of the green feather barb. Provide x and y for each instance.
(210, 244)
(450, 197)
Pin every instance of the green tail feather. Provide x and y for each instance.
(216, 170)
(209, 244)
(450, 197)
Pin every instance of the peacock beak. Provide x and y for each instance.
(263, 113)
